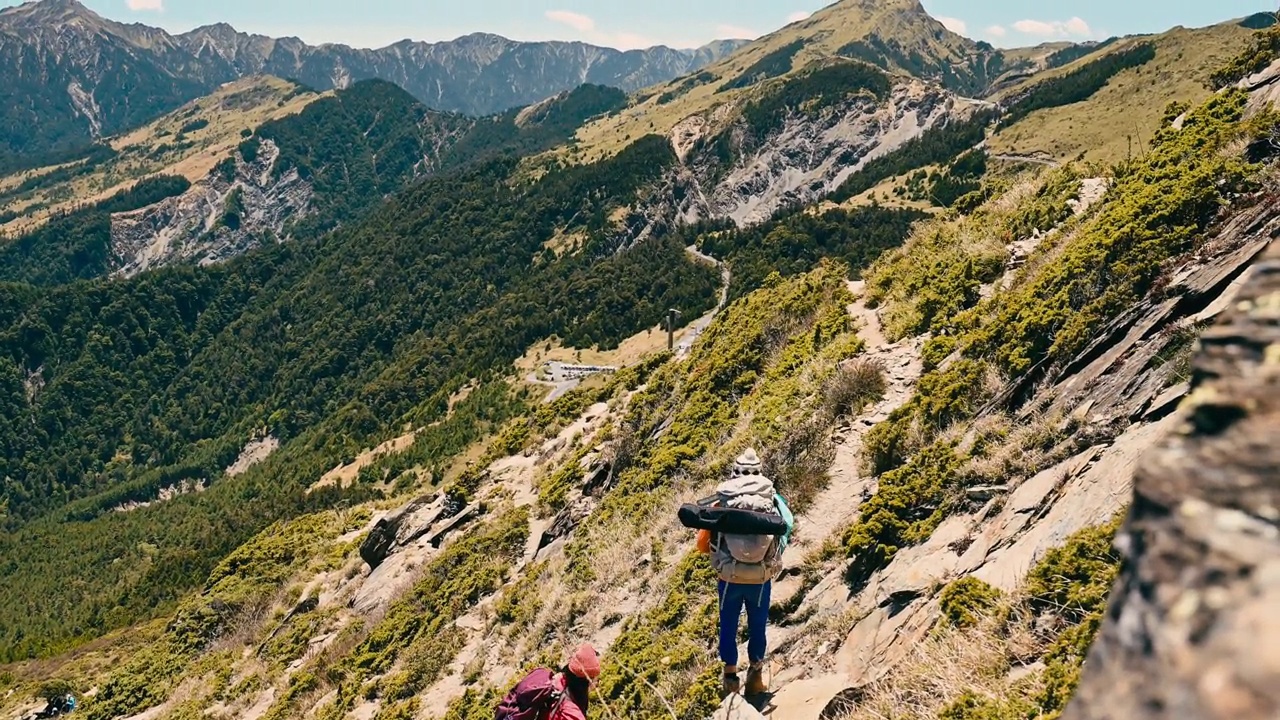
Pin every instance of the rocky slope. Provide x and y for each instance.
(222, 216)
(898, 37)
(1191, 631)
(78, 76)
(957, 429)
(807, 157)
(190, 141)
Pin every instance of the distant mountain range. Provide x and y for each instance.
(75, 75)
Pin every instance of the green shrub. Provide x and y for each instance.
(971, 706)
(553, 492)
(292, 641)
(401, 710)
(936, 275)
(936, 349)
(419, 628)
(665, 646)
(906, 508)
(1263, 48)
(1073, 581)
(521, 601)
(967, 600)
(889, 444)
(51, 690)
(947, 396)
(1070, 583)
(1048, 208)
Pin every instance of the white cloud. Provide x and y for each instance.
(997, 31)
(1034, 27)
(577, 21)
(586, 28)
(736, 32)
(955, 25)
(798, 15)
(627, 41)
(143, 5)
(1076, 26)
(1054, 28)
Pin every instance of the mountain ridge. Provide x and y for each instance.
(951, 403)
(80, 76)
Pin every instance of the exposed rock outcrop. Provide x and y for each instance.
(1123, 388)
(808, 157)
(1191, 630)
(220, 217)
(401, 528)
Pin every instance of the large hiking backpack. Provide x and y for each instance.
(533, 698)
(747, 559)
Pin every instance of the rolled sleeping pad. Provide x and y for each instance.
(735, 521)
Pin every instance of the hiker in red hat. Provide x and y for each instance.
(547, 695)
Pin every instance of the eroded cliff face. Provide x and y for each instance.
(224, 215)
(730, 172)
(810, 157)
(1191, 630)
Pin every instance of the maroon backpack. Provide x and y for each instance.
(533, 698)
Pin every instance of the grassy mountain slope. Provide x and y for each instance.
(955, 427)
(794, 367)
(1127, 111)
(188, 142)
(834, 31)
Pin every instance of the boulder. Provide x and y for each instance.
(400, 529)
(1191, 629)
(736, 707)
(377, 544)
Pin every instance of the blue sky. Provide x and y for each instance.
(639, 23)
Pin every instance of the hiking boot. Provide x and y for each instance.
(755, 680)
(730, 684)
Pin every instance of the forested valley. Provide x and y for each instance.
(115, 389)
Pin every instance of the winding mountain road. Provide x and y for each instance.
(1027, 159)
(697, 327)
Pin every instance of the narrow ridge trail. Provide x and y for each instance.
(836, 507)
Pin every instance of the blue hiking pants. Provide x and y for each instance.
(733, 597)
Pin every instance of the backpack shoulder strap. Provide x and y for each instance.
(557, 701)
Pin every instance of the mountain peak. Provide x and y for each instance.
(872, 11)
(50, 12)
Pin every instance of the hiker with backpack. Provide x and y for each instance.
(58, 705)
(547, 695)
(744, 527)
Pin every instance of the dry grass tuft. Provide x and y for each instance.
(1003, 451)
(984, 660)
(853, 386)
